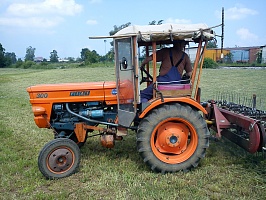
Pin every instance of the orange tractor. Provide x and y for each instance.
(171, 129)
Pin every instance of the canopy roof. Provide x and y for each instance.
(164, 32)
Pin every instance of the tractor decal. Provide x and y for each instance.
(78, 93)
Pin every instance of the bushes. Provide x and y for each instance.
(24, 65)
(28, 64)
(18, 64)
(209, 63)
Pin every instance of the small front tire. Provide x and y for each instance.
(59, 158)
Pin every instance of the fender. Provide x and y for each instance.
(186, 100)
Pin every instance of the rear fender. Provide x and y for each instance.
(185, 100)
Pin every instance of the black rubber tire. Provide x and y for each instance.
(64, 161)
(166, 112)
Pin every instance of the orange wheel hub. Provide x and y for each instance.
(174, 140)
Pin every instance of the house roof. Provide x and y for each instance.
(243, 48)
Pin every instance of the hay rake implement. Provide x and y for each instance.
(241, 123)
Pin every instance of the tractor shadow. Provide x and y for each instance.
(226, 153)
(123, 154)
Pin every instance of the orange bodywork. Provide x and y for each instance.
(186, 100)
(42, 97)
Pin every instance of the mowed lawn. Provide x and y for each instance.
(227, 172)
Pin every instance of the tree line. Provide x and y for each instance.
(7, 59)
(87, 56)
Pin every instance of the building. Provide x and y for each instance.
(237, 54)
(244, 54)
(216, 54)
(38, 59)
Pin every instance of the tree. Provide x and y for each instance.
(2, 56)
(10, 59)
(211, 44)
(71, 59)
(110, 54)
(53, 56)
(91, 57)
(158, 46)
(112, 32)
(118, 28)
(78, 59)
(154, 22)
(229, 58)
(259, 56)
(83, 54)
(209, 63)
(19, 63)
(30, 54)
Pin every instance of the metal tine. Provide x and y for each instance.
(238, 102)
(217, 96)
(254, 102)
(243, 101)
(250, 103)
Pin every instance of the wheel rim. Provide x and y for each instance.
(60, 160)
(174, 140)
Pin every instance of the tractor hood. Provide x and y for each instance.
(73, 92)
(65, 87)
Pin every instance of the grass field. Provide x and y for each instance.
(227, 172)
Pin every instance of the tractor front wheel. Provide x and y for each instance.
(172, 138)
(59, 158)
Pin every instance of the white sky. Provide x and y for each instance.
(65, 25)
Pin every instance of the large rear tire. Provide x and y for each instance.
(59, 158)
(172, 138)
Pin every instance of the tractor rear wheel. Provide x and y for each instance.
(59, 158)
(172, 138)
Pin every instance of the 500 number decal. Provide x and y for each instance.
(42, 95)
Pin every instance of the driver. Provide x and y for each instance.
(173, 62)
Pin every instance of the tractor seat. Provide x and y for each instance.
(174, 89)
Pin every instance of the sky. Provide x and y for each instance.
(65, 25)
